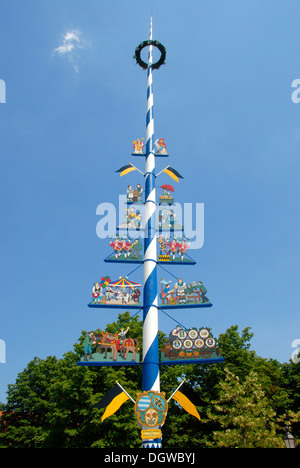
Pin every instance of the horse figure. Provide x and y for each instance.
(106, 340)
(129, 344)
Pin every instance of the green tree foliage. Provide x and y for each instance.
(244, 414)
(51, 403)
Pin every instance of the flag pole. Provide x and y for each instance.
(137, 169)
(176, 390)
(163, 170)
(125, 391)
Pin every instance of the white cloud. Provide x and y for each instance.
(71, 43)
(72, 36)
(63, 49)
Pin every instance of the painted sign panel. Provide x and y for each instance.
(104, 348)
(183, 294)
(194, 344)
(132, 220)
(160, 147)
(125, 249)
(151, 409)
(119, 293)
(173, 249)
(167, 220)
(134, 195)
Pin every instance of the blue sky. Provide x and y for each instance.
(75, 101)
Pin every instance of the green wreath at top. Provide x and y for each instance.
(144, 44)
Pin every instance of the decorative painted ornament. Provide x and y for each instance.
(125, 249)
(151, 409)
(173, 249)
(183, 294)
(138, 146)
(104, 348)
(119, 293)
(192, 345)
(167, 195)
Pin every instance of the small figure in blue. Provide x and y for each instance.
(139, 191)
(171, 219)
(136, 248)
(87, 345)
(138, 219)
(165, 289)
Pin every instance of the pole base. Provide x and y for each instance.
(155, 443)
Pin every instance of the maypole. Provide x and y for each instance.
(150, 303)
(184, 345)
(151, 379)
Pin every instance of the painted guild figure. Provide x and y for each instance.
(125, 296)
(182, 247)
(139, 190)
(163, 245)
(136, 295)
(138, 146)
(87, 345)
(126, 244)
(138, 219)
(117, 247)
(203, 292)
(133, 218)
(167, 196)
(130, 193)
(171, 218)
(134, 195)
(161, 217)
(165, 289)
(180, 288)
(191, 287)
(122, 336)
(166, 219)
(161, 146)
(173, 246)
(118, 295)
(109, 293)
(136, 247)
(97, 293)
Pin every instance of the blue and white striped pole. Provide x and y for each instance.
(151, 380)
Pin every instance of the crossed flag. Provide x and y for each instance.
(116, 396)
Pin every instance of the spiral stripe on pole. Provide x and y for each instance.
(150, 328)
(151, 378)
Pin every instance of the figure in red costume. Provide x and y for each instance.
(182, 247)
(117, 247)
(126, 245)
(173, 246)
